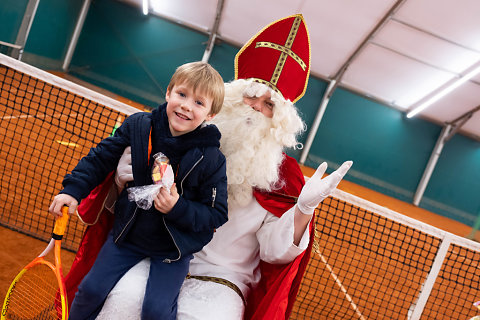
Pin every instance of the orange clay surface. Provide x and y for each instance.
(19, 249)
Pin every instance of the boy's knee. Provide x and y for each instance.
(158, 308)
(91, 291)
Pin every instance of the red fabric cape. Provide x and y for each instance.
(100, 221)
(275, 294)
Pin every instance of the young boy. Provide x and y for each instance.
(182, 219)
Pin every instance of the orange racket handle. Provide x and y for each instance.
(61, 224)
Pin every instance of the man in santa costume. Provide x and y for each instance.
(254, 264)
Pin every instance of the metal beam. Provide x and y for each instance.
(24, 30)
(10, 45)
(213, 32)
(448, 131)
(338, 78)
(460, 121)
(456, 126)
(316, 122)
(76, 34)
(437, 150)
(468, 113)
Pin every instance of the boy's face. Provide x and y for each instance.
(186, 110)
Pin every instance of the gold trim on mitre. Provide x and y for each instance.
(286, 52)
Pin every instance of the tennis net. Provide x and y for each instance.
(46, 125)
(368, 262)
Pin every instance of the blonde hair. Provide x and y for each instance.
(203, 77)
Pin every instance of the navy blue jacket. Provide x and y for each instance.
(200, 176)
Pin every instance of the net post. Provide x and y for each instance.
(475, 228)
(419, 305)
(24, 30)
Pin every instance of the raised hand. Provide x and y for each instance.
(317, 189)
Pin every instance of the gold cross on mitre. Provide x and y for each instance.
(290, 80)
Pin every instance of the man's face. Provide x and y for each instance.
(263, 104)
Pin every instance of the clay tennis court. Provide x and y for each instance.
(365, 265)
(41, 142)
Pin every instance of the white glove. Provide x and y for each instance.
(316, 189)
(124, 171)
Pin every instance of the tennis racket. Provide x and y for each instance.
(38, 291)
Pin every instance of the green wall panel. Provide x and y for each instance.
(388, 150)
(222, 58)
(135, 58)
(52, 28)
(307, 108)
(133, 55)
(454, 188)
(11, 15)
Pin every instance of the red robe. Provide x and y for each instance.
(100, 221)
(275, 294)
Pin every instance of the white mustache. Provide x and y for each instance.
(241, 114)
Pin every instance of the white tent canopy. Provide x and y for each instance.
(399, 53)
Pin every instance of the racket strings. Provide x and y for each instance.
(34, 295)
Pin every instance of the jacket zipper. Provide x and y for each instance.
(163, 218)
(214, 196)
(193, 167)
(133, 216)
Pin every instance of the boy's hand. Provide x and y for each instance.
(165, 200)
(61, 200)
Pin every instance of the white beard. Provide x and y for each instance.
(252, 152)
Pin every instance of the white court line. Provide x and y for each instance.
(334, 276)
(55, 115)
(17, 117)
(340, 285)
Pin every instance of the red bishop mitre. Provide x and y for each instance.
(279, 57)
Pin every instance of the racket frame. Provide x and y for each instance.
(56, 244)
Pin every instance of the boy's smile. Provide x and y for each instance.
(186, 109)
